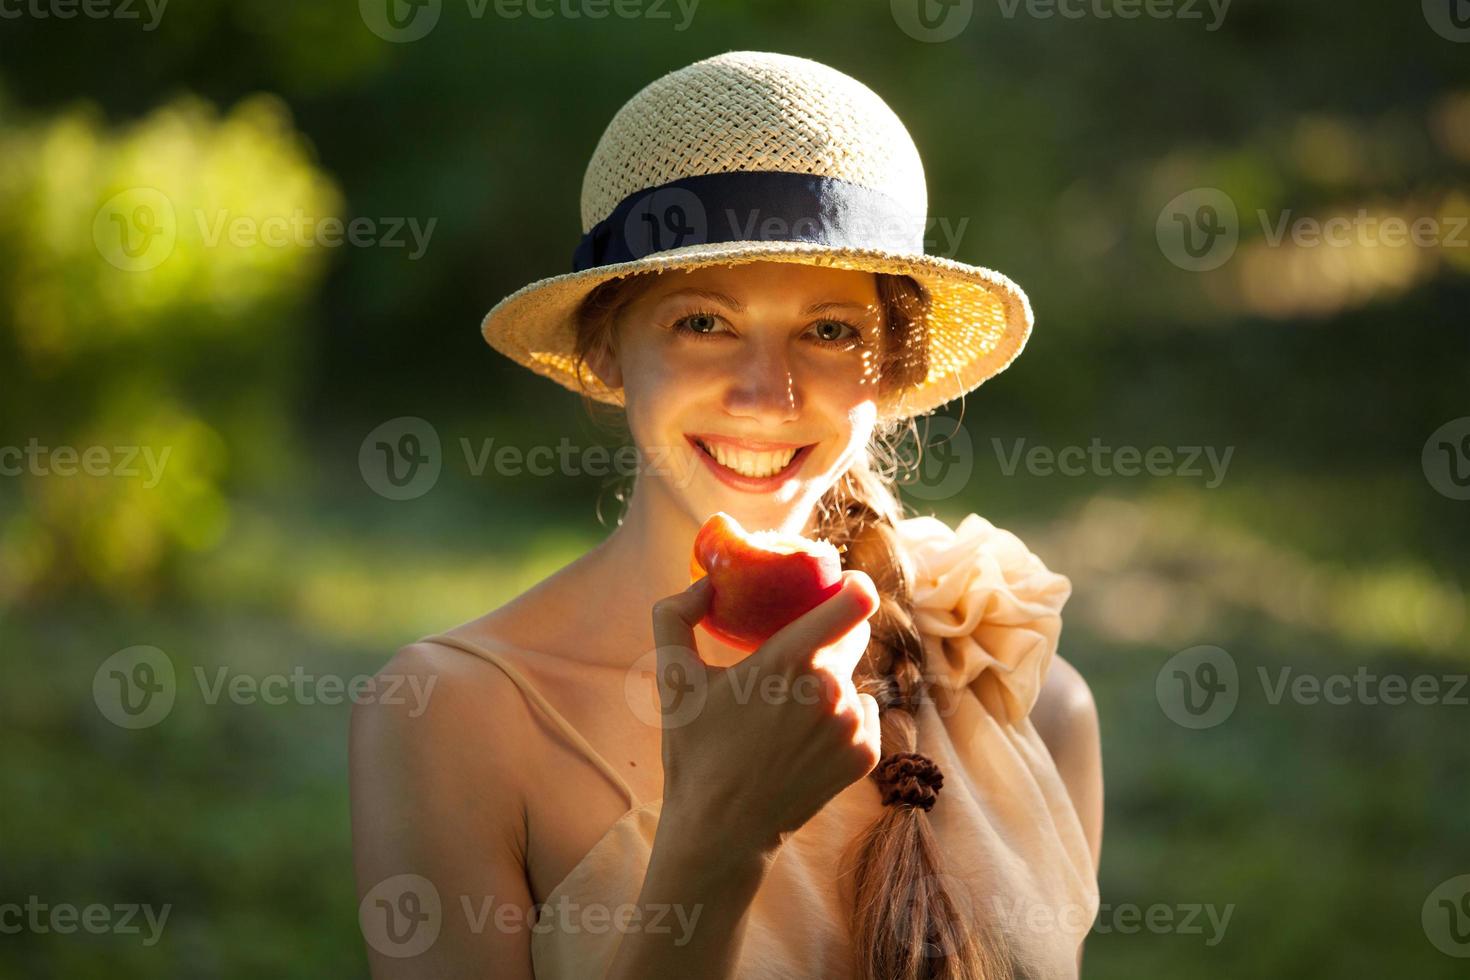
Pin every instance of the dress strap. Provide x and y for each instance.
(536, 698)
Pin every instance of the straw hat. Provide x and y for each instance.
(754, 156)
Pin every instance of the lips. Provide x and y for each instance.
(749, 463)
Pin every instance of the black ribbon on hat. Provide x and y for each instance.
(750, 205)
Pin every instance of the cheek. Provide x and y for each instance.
(658, 386)
(861, 419)
(839, 380)
(846, 384)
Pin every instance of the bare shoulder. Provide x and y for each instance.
(440, 720)
(1065, 710)
(457, 683)
(1066, 718)
(437, 771)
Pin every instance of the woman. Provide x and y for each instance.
(751, 290)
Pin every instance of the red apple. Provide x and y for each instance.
(761, 580)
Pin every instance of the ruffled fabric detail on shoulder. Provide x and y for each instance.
(988, 609)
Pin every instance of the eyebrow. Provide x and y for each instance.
(731, 303)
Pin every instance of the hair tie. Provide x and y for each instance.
(909, 779)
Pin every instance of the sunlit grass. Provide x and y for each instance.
(1175, 571)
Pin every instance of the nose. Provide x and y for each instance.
(763, 387)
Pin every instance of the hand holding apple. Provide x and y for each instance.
(744, 771)
(761, 580)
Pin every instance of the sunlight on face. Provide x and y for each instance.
(765, 352)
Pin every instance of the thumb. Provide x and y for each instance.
(872, 726)
(674, 619)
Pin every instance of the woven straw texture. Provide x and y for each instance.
(750, 110)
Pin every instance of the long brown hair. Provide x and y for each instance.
(905, 924)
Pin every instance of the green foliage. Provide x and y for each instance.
(136, 319)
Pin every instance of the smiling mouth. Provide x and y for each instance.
(749, 463)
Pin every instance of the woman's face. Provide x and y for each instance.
(752, 388)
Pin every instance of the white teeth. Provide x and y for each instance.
(748, 463)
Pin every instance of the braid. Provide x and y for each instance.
(905, 925)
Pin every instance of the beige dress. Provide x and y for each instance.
(1014, 853)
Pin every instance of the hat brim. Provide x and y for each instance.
(979, 320)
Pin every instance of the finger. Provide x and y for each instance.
(872, 725)
(674, 619)
(837, 663)
(843, 656)
(824, 625)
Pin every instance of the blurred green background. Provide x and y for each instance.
(1336, 540)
